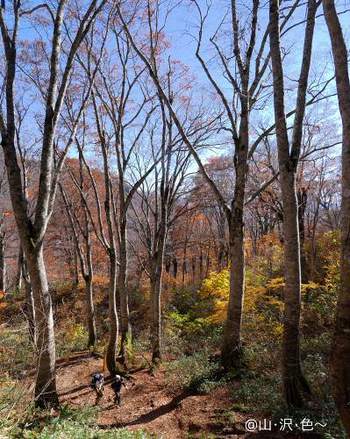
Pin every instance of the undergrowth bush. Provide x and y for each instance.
(67, 424)
(195, 373)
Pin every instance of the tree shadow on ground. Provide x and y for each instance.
(152, 415)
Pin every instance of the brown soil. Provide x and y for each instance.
(149, 404)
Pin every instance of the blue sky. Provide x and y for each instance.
(183, 24)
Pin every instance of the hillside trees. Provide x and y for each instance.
(81, 227)
(53, 90)
(163, 198)
(245, 91)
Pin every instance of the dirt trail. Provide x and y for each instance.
(147, 404)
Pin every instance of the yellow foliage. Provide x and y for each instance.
(258, 293)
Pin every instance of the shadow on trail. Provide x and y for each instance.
(152, 415)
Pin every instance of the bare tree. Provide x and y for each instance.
(81, 227)
(247, 91)
(128, 109)
(341, 343)
(32, 231)
(288, 158)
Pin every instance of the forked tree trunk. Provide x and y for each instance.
(113, 316)
(340, 360)
(45, 386)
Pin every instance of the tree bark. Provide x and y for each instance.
(340, 359)
(232, 349)
(45, 386)
(123, 290)
(19, 274)
(113, 315)
(156, 292)
(30, 311)
(293, 379)
(156, 335)
(302, 202)
(90, 311)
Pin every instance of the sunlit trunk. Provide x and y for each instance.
(113, 315)
(293, 379)
(90, 311)
(45, 386)
(123, 292)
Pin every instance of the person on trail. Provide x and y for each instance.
(117, 383)
(97, 382)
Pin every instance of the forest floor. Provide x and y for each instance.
(150, 405)
(147, 403)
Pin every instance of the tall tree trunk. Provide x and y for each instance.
(2, 264)
(156, 336)
(231, 348)
(156, 293)
(113, 315)
(123, 291)
(292, 374)
(90, 310)
(45, 386)
(302, 201)
(293, 379)
(75, 270)
(340, 360)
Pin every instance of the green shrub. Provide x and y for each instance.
(198, 373)
(69, 424)
(74, 338)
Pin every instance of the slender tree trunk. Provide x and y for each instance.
(123, 291)
(113, 315)
(340, 360)
(19, 274)
(156, 291)
(175, 267)
(45, 386)
(90, 310)
(302, 201)
(156, 336)
(2, 264)
(75, 271)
